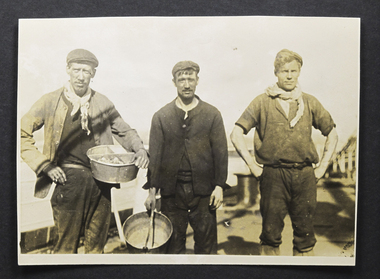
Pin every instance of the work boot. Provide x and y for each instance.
(267, 250)
(307, 253)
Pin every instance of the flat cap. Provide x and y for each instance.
(182, 65)
(82, 56)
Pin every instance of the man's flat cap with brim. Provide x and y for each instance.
(183, 65)
(82, 56)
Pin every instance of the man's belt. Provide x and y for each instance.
(184, 176)
(74, 166)
(299, 166)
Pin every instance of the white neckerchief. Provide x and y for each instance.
(296, 95)
(81, 103)
(186, 108)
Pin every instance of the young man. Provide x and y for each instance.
(283, 117)
(188, 150)
(76, 118)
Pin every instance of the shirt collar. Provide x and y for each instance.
(186, 108)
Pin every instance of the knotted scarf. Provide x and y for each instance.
(296, 95)
(81, 103)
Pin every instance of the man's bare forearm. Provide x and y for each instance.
(328, 151)
(237, 138)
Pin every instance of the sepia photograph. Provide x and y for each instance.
(188, 140)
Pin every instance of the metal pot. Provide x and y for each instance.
(112, 164)
(136, 229)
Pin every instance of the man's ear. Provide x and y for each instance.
(68, 69)
(93, 73)
(197, 80)
(173, 80)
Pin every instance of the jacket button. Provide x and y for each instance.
(184, 126)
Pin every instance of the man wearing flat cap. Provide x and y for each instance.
(76, 118)
(188, 163)
(284, 154)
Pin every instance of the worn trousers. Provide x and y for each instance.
(293, 191)
(81, 207)
(184, 208)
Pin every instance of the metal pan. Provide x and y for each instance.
(136, 229)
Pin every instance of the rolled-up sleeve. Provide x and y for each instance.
(249, 118)
(322, 119)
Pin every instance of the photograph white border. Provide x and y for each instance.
(42, 70)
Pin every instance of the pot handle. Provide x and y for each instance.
(117, 218)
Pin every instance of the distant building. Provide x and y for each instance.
(344, 162)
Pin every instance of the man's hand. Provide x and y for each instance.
(150, 202)
(237, 138)
(319, 172)
(141, 159)
(57, 175)
(256, 170)
(216, 198)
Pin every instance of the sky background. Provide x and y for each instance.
(235, 55)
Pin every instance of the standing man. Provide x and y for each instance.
(188, 149)
(283, 117)
(76, 118)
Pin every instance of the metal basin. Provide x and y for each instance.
(112, 164)
(136, 229)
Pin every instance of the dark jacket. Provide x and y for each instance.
(50, 112)
(204, 138)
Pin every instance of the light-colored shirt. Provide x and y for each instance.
(184, 107)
